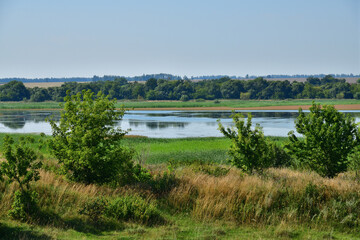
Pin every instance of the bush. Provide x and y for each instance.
(250, 150)
(24, 206)
(95, 208)
(354, 162)
(21, 167)
(329, 137)
(134, 208)
(163, 183)
(85, 142)
(184, 98)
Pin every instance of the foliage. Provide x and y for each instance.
(209, 168)
(184, 90)
(163, 183)
(250, 150)
(354, 162)
(14, 91)
(20, 165)
(95, 208)
(329, 137)
(24, 206)
(136, 209)
(85, 142)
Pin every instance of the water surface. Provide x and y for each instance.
(162, 124)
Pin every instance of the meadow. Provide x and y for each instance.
(195, 195)
(189, 104)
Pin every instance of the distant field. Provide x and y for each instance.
(202, 105)
(44, 84)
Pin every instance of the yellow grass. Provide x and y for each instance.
(249, 199)
(279, 196)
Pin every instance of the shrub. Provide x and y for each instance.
(354, 162)
(250, 150)
(329, 137)
(184, 98)
(95, 208)
(85, 142)
(163, 183)
(21, 167)
(134, 208)
(24, 206)
(209, 168)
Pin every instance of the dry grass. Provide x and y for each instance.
(281, 195)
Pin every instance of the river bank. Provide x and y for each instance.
(341, 104)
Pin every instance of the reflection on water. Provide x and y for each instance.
(167, 124)
(17, 119)
(157, 125)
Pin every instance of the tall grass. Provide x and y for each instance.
(279, 196)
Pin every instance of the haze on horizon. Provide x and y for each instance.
(41, 38)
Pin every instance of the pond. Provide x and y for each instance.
(162, 124)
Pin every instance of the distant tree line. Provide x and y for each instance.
(95, 78)
(167, 76)
(184, 90)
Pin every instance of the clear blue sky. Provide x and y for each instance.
(65, 38)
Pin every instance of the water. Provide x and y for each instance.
(162, 124)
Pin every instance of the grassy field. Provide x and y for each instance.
(204, 199)
(164, 150)
(189, 104)
(234, 103)
(182, 227)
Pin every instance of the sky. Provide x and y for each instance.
(82, 38)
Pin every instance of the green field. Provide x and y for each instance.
(182, 227)
(165, 150)
(235, 103)
(189, 104)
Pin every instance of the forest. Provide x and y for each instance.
(327, 87)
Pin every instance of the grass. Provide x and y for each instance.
(164, 150)
(233, 103)
(29, 105)
(205, 215)
(183, 227)
(189, 104)
(210, 200)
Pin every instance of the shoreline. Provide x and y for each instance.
(288, 107)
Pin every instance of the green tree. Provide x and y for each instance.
(250, 150)
(21, 166)
(86, 143)
(328, 137)
(14, 91)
